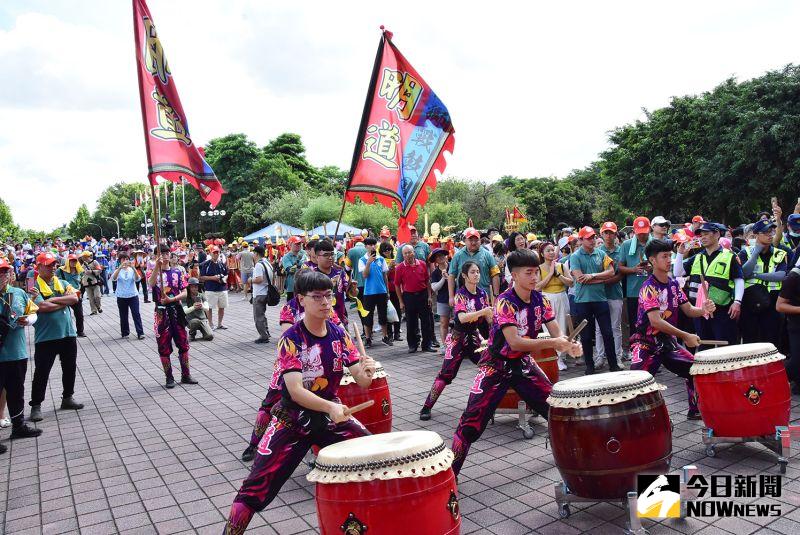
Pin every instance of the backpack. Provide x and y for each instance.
(273, 295)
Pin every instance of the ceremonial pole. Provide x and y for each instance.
(156, 220)
(183, 202)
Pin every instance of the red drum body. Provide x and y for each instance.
(363, 487)
(547, 359)
(599, 449)
(746, 401)
(377, 418)
(510, 400)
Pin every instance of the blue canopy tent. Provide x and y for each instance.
(330, 227)
(281, 229)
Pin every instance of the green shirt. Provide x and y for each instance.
(74, 279)
(613, 291)
(595, 262)
(15, 347)
(421, 250)
(291, 263)
(632, 258)
(485, 261)
(353, 256)
(54, 325)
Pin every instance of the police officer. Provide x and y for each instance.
(764, 267)
(722, 271)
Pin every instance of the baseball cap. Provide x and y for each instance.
(586, 232)
(608, 225)
(412, 228)
(531, 236)
(680, 237)
(214, 249)
(497, 237)
(563, 242)
(763, 225)
(386, 233)
(471, 233)
(698, 219)
(193, 280)
(293, 239)
(659, 220)
(72, 257)
(4, 264)
(641, 225)
(46, 258)
(794, 220)
(708, 226)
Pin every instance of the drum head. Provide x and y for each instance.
(348, 378)
(386, 456)
(602, 389)
(543, 335)
(728, 358)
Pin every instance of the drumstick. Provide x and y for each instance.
(361, 406)
(570, 325)
(714, 342)
(360, 345)
(575, 332)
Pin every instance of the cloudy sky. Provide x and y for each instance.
(533, 89)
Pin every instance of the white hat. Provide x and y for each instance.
(659, 220)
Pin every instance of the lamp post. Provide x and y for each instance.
(115, 220)
(98, 226)
(213, 215)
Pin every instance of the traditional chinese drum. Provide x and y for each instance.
(742, 390)
(377, 418)
(547, 359)
(605, 429)
(390, 484)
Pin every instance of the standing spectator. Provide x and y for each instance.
(613, 288)
(386, 250)
(660, 227)
(634, 267)
(590, 269)
(71, 272)
(140, 265)
(246, 264)
(438, 258)
(789, 304)
(291, 262)
(554, 279)
(490, 279)
(55, 336)
(213, 274)
(90, 282)
(125, 278)
(102, 261)
(373, 269)
(262, 277)
(194, 307)
(234, 281)
(421, 249)
(413, 288)
(311, 256)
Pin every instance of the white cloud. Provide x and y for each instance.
(532, 88)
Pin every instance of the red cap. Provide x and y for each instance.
(698, 219)
(386, 233)
(4, 264)
(215, 249)
(641, 225)
(608, 225)
(293, 239)
(471, 233)
(412, 227)
(586, 232)
(72, 257)
(680, 237)
(46, 259)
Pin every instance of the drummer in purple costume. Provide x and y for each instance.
(291, 313)
(311, 358)
(519, 313)
(654, 341)
(472, 315)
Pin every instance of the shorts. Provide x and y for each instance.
(247, 275)
(217, 299)
(444, 309)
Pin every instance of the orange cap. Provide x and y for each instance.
(608, 225)
(214, 249)
(46, 259)
(386, 233)
(586, 232)
(641, 225)
(698, 219)
(293, 239)
(471, 233)
(4, 264)
(72, 257)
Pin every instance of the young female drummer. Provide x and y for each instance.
(311, 357)
(291, 313)
(518, 315)
(472, 314)
(654, 341)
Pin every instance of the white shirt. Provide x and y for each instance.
(258, 271)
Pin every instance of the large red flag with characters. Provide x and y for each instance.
(405, 131)
(171, 153)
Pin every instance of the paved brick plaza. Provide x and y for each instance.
(141, 459)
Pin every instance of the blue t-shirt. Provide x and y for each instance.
(374, 284)
(126, 283)
(15, 346)
(210, 268)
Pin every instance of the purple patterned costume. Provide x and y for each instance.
(463, 341)
(651, 348)
(501, 367)
(292, 429)
(169, 322)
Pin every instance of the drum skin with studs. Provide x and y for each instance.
(605, 429)
(377, 418)
(390, 484)
(742, 390)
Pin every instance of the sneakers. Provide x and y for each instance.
(36, 413)
(387, 341)
(140, 337)
(397, 338)
(368, 343)
(222, 327)
(24, 431)
(435, 344)
(693, 415)
(188, 380)
(81, 335)
(425, 414)
(170, 382)
(124, 336)
(5, 422)
(412, 350)
(249, 454)
(261, 340)
(70, 404)
(429, 350)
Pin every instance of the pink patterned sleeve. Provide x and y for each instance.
(288, 356)
(350, 354)
(681, 296)
(505, 313)
(549, 315)
(459, 303)
(286, 315)
(648, 298)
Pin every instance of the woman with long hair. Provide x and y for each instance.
(554, 280)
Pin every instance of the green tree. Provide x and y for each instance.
(371, 216)
(446, 214)
(115, 202)
(79, 226)
(290, 148)
(320, 210)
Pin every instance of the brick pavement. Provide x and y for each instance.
(142, 459)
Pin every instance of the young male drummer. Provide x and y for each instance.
(654, 341)
(311, 357)
(518, 315)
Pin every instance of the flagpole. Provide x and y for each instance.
(174, 206)
(183, 202)
(156, 220)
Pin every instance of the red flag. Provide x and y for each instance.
(171, 153)
(469, 223)
(518, 216)
(137, 199)
(405, 131)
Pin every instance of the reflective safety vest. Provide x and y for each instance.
(778, 256)
(717, 274)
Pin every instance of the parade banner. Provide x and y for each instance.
(405, 131)
(171, 153)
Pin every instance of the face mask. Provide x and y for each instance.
(751, 242)
(794, 234)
